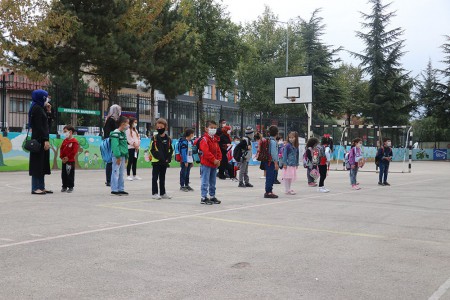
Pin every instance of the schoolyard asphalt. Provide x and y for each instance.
(375, 243)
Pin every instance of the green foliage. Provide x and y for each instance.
(389, 100)
(430, 129)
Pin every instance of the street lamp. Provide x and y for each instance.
(3, 106)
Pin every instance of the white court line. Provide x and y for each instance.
(7, 240)
(36, 235)
(61, 236)
(441, 291)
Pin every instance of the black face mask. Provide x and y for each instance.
(161, 131)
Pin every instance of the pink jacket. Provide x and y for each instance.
(134, 139)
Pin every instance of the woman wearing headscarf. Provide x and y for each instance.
(225, 144)
(110, 125)
(39, 161)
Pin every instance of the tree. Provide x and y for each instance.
(5, 147)
(442, 106)
(55, 145)
(217, 52)
(352, 91)
(319, 59)
(389, 100)
(85, 41)
(428, 93)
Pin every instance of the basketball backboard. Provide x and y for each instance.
(294, 89)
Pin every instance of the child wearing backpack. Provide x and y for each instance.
(322, 154)
(268, 155)
(68, 153)
(290, 160)
(186, 159)
(162, 150)
(119, 147)
(210, 160)
(384, 157)
(354, 158)
(307, 160)
(243, 154)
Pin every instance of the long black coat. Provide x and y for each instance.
(40, 161)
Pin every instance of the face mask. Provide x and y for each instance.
(66, 134)
(229, 131)
(127, 127)
(161, 130)
(251, 136)
(135, 125)
(292, 140)
(211, 131)
(388, 144)
(358, 145)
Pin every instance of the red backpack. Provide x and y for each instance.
(263, 154)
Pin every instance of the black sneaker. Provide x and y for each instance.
(206, 201)
(276, 182)
(241, 185)
(215, 200)
(270, 195)
(123, 193)
(116, 193)
(386, 183)
(63, 190)
(184, 189)
(70, 190)
(248, 185)
(380, 183)
(108, 183)
(189, 189)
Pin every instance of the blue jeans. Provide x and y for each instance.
(37, 183)
(353, 174)
(208, 181)
(184, 174)
(117, 182)
(384, 170)
(270, 176)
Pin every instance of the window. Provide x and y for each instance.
(17, 105)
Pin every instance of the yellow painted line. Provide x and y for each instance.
(138, 209)
(307, 229)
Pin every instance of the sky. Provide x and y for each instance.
(425, 23)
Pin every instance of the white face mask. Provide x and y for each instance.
(135, 125)
(358, 145)
(212, 131)
(229, 131)
(66, 134)
(388, 144)
(292, 140)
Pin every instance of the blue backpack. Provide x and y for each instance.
(106, 151)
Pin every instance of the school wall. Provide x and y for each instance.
(14, 158)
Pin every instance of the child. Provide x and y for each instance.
(324, 158)
(280, 144)
(162, 150)
(310, 145)
(354, 157)
(69, 150)
(210, 160)
(225, 144)
(134, 141)
(187, 159)
(119, 147)
(245, 147)
(384, 156)
(290, 161)
(271, 164)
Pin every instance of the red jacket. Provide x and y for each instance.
(69, 148)
(211, 151)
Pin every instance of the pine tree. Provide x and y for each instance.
(389, 100)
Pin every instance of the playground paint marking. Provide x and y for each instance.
(81, 233)
(441, 291)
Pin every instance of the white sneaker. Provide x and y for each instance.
(130, 178)
(165, 196)
(323, 190)
(136, 178)
(262, 177)
(156, 197)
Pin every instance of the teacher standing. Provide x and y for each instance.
(39, 161)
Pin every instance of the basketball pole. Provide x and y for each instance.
(309, 120)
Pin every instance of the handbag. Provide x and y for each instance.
(32, 145)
